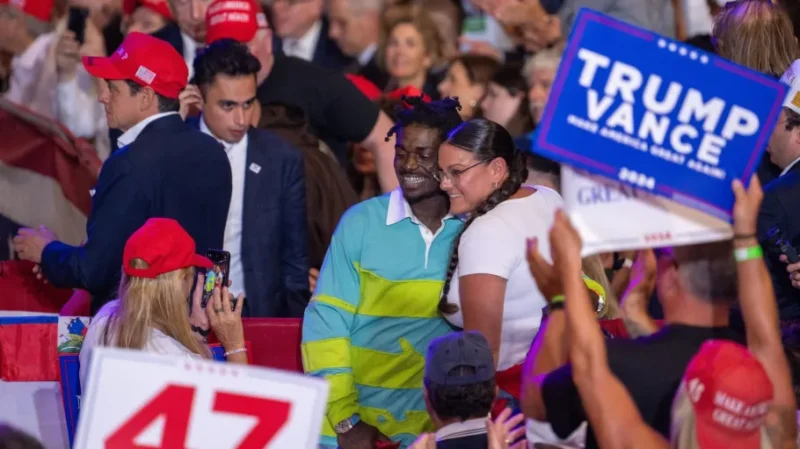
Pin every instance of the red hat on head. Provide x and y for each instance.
(233, 19)
(366, 87)
(408, 91)
(40, 9)
(164, 245)
(146, 60)
(158, 6)
(730, 393)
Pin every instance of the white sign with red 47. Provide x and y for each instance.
(140, 400)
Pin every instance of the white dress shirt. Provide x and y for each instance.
(789, 167)
(130, 135)
(189, 52)
(304, 47)
(237, 156)
(365, 56)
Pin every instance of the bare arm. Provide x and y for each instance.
(383, 152)
(634, 302)
(609, 407)
(760, 313)
(549, 348)
(482, 298)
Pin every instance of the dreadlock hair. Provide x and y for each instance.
(441, 115)
(487, 141)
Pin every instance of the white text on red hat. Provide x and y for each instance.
(230, 5)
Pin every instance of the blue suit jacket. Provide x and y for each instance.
(274, 228)
(171, 170)
(327, 54)
(779, 209)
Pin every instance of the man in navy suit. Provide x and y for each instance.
(779, 212)
(266, 231)
(163, 169)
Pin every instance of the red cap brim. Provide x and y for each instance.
(709, 436)
(202, 261)
(102, 68)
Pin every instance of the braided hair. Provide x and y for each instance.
(441, 115)
(487, 141)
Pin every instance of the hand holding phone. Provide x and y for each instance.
(217, 275)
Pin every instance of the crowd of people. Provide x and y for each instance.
(367, 165)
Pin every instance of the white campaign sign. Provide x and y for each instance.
(136, 399)
(613, 217)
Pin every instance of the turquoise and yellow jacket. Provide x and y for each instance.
(373, 314)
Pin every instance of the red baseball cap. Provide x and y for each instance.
(233, 19)
(164, 245)
(366, 86)
(146, 60)
(40, 9)
(158, 6)
(730, 393)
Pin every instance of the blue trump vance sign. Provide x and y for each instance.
(657, 114)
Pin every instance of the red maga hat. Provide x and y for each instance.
(730, 393)
(40, 9)
(146, 60)
(159, 6)
(164, 245)
(233, 19)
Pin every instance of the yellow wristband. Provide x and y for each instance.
(749, 253)
(557, 299)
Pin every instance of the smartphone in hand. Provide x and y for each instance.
(217, 275)
(77, 22)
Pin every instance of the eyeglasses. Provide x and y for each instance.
(452, 175)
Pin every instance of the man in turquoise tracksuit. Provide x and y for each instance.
(374, 311)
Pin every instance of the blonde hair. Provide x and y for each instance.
(417, 17)
(757, 34)
(683, 423)
(146, 304)
(549, 58)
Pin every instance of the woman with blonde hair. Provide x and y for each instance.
(410, 47)
(152, 312)
(757, 34)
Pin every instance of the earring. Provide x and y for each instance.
(473, 103)
(494, 185)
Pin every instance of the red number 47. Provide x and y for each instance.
(175, 403)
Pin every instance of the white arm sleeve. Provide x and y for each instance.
(76, 108)
(489, 246)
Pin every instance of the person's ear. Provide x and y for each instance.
(147, 99)
(668, 276)
(498, 168)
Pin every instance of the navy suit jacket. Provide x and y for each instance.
(327, 54)
(171, 170)
(274, 228)
(779, 209)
